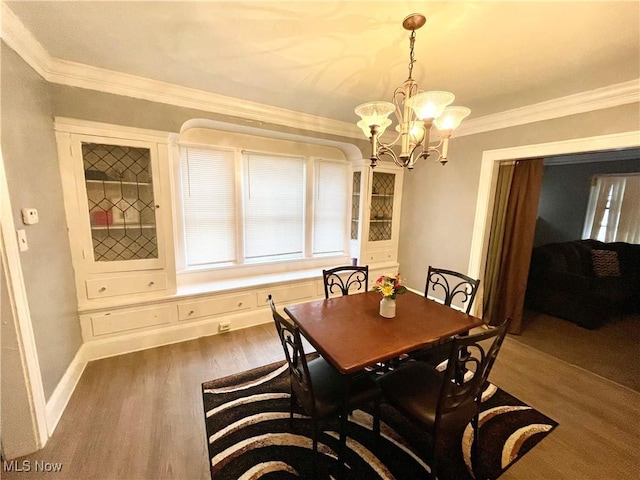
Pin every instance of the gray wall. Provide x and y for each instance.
(439, 203)
(31, 163)
(28, 144)
(564, 197)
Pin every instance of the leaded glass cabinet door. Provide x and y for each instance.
(381, 208)
(375, 215)
(120, 201)
(355, 205)
(121, 206)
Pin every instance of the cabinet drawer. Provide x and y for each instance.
(105, 323)
(214, 306)
(378, 257)
(288, 293)
(109, 287)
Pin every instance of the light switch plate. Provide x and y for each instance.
(22, 240)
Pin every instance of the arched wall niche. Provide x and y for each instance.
(201, 131)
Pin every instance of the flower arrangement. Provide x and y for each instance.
(389, 287)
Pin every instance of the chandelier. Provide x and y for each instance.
(416, 111)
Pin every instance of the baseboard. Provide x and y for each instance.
(62, 394)
(143, 340)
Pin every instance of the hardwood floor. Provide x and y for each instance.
(139, 416)
(610, 351)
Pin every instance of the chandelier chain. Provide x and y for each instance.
(412, 41)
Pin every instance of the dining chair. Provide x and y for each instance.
(445, 402)
(453, 289)
(319, 389)
(345, 280)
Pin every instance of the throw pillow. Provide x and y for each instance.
(605, 263)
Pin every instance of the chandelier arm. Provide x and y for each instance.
(384, 150)
(441, 149)
(379, 149)
(417, 153)
(405, 114)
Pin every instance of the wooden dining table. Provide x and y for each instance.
(349, 332)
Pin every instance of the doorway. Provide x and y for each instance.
(488, 180)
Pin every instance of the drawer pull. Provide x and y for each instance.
(239, 304)
(102, 289)
(151, 284)
(191, 312)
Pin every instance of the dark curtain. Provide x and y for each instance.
(496, 236)
(512, 231)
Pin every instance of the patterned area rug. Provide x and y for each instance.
(249, 436)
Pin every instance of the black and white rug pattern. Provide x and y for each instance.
(250, 436)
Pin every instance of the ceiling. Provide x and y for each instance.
(326, 57)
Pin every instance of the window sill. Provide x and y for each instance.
(250, 275)
(194, 288)
(217, 286)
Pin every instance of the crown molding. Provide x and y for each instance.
(600, 98)
(63, 72)
(74, 74)
(94, 78)
(15, 34)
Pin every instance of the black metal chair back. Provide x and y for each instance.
(345, 279)
(467, 371)
(445, 402)
(456, 288)
(293, 347)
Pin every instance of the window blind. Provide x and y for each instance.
(209, 205)
(274, 198)
(330, 204)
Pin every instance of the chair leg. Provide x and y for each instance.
(376, 421)
(314, 461)
(475, 449)
(344, 420)
(434, 457)
(292, 405)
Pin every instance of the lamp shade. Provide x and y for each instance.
(374, 113)
(430, 104)
(451, 118)
(366, 128)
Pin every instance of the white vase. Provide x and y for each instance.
(388, 307)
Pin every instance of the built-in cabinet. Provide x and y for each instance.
(118, 209)
(375, 213)
(117, 193)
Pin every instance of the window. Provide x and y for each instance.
(273, 207)
(209, 206)
(329, 227)
(244, 207)
(612, 212)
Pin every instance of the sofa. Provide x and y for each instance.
(584, 281)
